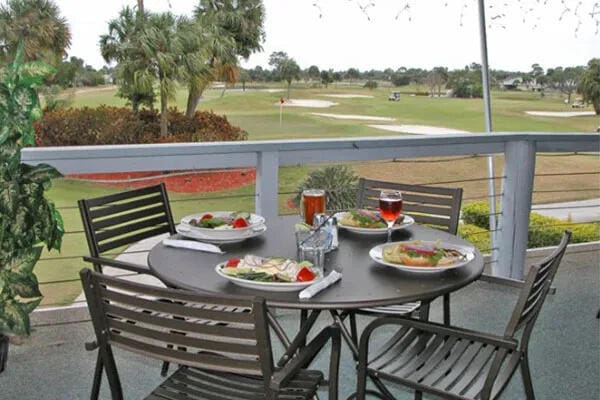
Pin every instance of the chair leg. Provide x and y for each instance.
(97, 378)
(527, 378)
(303, 318)
(446, 302)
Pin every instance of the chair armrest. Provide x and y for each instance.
(436, 328)
(306, 355)
(118, 264)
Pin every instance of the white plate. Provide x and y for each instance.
(270, 286)
(221, 234)
(376, 253)
(185, 230)
(406, 222)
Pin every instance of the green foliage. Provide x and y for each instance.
(27, 218)
(589, 86)
(114, 125)
(370, 85)
(476, 235)
(476, 214)
(543, 231)
(340, 185)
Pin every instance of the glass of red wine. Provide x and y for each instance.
(390, 207)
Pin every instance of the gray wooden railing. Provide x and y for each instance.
(519, 150)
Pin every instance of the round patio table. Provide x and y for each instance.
(365, 283)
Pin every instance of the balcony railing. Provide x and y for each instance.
(518, 150)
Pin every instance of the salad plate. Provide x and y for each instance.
(442, 255)
(185, 231)
(259, 273)
(347, 216)
(222, 226)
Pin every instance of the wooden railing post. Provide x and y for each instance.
(519, 169)
(267, 184)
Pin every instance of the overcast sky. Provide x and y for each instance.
(338, 34)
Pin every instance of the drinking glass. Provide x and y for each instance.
(311, 247)
(313, 202)
(390, 207)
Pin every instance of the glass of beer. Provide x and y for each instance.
(390, 207)
(313, 202)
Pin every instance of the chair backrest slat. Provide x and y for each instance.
(117, 208)
(124, 218)
(234, 334)
(225, 314)
(208, 332)
(428, 205)
(535, 289)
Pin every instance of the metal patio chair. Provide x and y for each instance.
(437, 207)
(222, 344)
(455, 363)
(121, 219)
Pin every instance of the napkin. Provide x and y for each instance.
(192, 245)
(315, 288)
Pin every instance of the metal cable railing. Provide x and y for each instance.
(78, 234)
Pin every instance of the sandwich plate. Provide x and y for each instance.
(270, 286)
(406, 222)
(376, 254)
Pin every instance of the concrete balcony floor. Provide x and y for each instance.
(564, 349)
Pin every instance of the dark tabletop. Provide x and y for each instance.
(364, 284)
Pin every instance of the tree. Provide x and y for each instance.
(370, 85)
(565, 80)
(353, 74)
(230, 29)
(326, 77)
(589, 87)
(122, 45)
(313, 72)
(286, 67)
(161, 45)
(38, 23)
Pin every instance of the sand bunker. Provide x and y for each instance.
(351, 116)
(272, 90)
(349, 96)
(562, 114)
(308, 103)
(419, 129)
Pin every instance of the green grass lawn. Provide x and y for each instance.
(256, 112)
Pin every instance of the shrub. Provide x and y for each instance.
(477, 214)
(115, 125)
(371, 85)
(340, 185)
(543, 231)
(474, 234)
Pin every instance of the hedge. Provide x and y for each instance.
(117, 125)
(543, 231)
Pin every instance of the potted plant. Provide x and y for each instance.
(27, 219)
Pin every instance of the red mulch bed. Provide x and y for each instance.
(178, 182)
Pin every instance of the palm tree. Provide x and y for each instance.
(228, 28)
(589, 86)
(162, 45)
(122, 45)
(39, 25)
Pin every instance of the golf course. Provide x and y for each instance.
(341, 111)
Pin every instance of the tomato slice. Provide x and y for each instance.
(423, 251)
(232, 262)
(206, 216)
(305, 275)
(240, 223)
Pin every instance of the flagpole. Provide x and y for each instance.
(488, 128)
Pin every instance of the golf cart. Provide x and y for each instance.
(395, 96)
